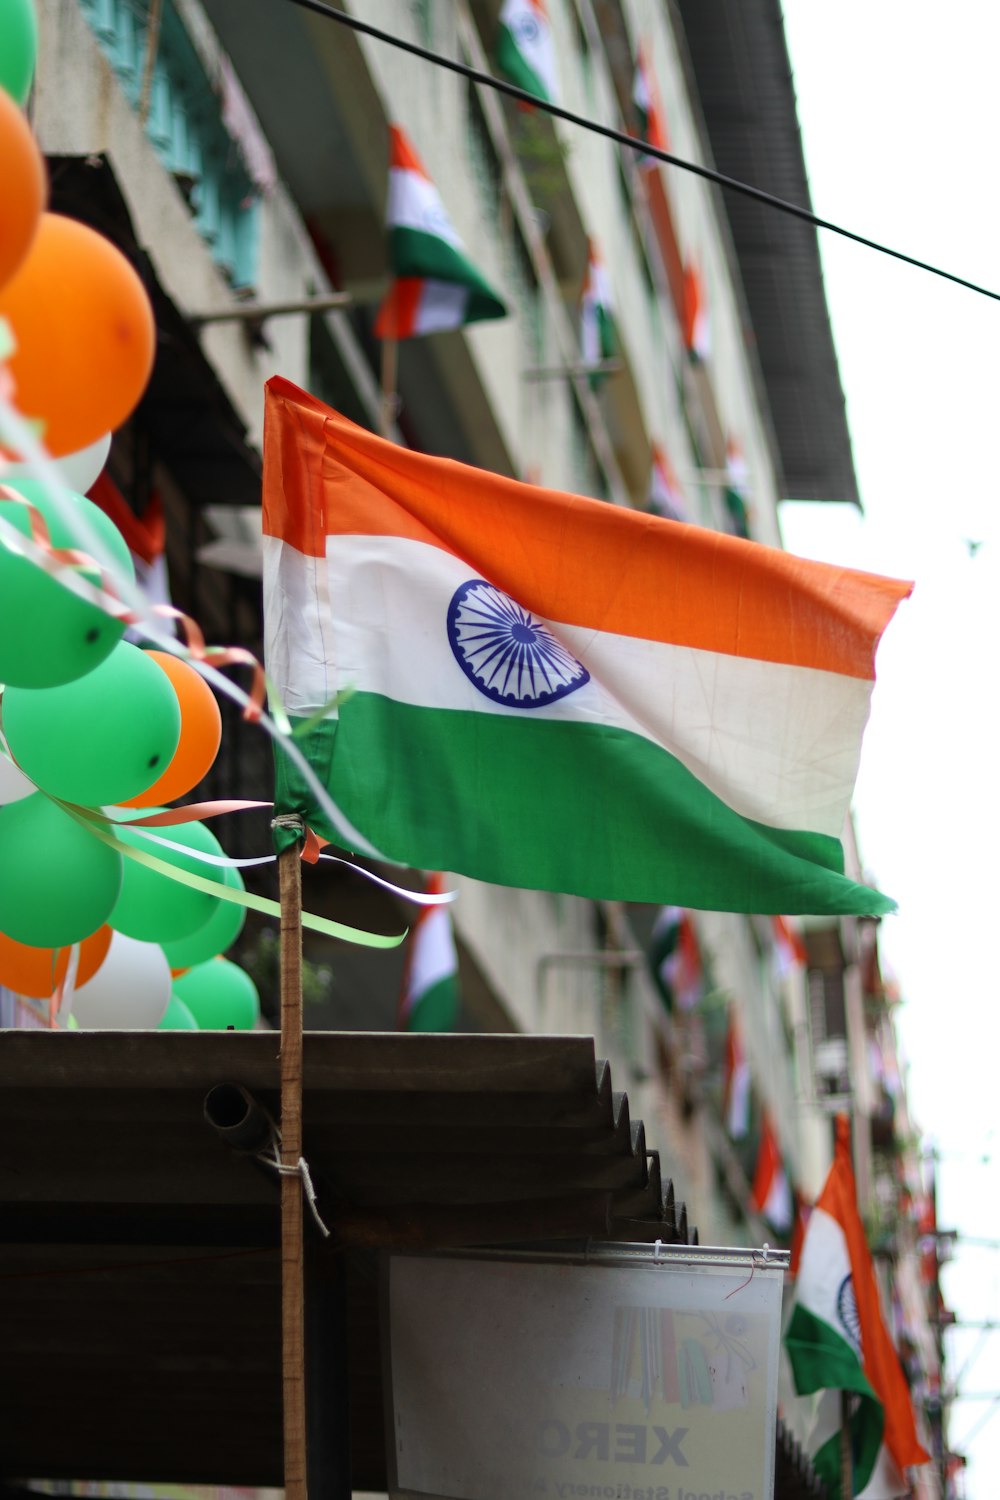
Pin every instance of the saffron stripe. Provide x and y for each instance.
(565, 557)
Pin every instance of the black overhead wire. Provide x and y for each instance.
(730, 184)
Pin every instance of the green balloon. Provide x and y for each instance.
(219, 994)
(58, 882)
(153, 907)
(219, 932)
(101, 739)
(18, 47)
(48, 635)
(177, 1017)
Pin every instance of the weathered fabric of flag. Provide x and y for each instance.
(435, 286)
(429, 994)
(556, 693)
(526, 52)
(837, 1341)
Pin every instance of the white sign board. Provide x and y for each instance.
(618, 1378)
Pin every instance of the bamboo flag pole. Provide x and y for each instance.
(846, 1463)
(292, 1267)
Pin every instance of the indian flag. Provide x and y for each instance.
(436, 286)
(735, 1083)
(697, 328)
(526, 52)
(429, 996)
(737, 488)
(675, 959)
(771, 1193)
(666, 498)
(837, 1341)
(598, 340)
(546, 691)
(652, 126)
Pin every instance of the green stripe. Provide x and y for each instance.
(512, 63)
(821, 1359)
(412, 252)
(559, 806)
(436, 1009)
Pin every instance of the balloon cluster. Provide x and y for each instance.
(93, 726)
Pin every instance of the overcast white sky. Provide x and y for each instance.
(900, 114)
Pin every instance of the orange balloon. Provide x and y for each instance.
(24, 187)
(85, 334)
(201, 734)
(36, 972)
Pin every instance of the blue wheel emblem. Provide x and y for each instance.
(505, 652)
(847, 1312)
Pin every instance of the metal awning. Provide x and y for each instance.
(747, 95)
(139, 1271)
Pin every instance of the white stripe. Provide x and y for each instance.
(441, 306)
(824, 1266)
(738, 1113)
(778, 743)
(777, 1206)
(531, 33)
(433, 957)
(415, 203)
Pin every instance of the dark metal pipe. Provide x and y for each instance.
(233, 1112)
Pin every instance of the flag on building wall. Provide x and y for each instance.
(652, 125)
(145, 536)
(771, 1193)
(736, 491)
(428, 998)
(675, 959)
(553, 692)
(526, 51)
(735, 1082)
(697, 328)
(598, 339)
(837, 1341)
(666, 498)
(435, 284)
(789, 949)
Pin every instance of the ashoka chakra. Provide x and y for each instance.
(505, 652)
(847, 1311)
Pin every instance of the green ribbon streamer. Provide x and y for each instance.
(93, 822)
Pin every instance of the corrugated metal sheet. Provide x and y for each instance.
(139, 1274)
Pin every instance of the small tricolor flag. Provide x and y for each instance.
(598, 339)
(697, 328)
(526, 52)
(737, 488)
(837, 1341)
(789, 949)
(771, 1193)
(428, 998)
(436, 286)
(666, 497)
(675, 959)
(735, 1082)
(652, 127)
(540, 690)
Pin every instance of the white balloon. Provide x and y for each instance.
(78, 470)
(129, 992)
(13, 783)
